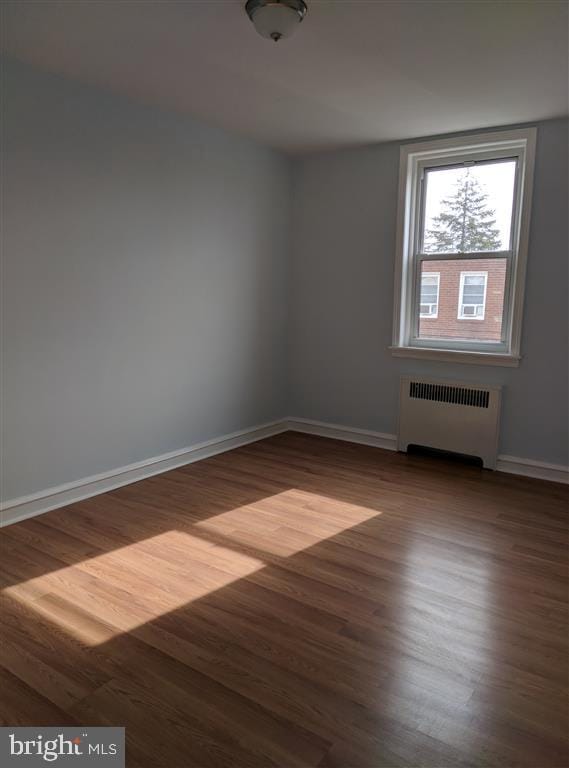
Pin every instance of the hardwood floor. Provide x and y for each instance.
(298, 602)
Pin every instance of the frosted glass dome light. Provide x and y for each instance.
(275, 19)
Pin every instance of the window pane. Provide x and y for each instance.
(470, 300)
(472, 296)
(429, 294)
(469, 209)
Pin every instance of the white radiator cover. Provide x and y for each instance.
(451, 416)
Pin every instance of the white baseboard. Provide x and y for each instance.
(541, 470)
(339, 432)
(557, 473)
(14, 510)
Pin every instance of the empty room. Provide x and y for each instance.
(284, 456)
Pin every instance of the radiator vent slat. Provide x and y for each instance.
(476, 398)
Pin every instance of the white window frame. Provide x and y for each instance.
(436, 313)
(461, 315)
(415, 158)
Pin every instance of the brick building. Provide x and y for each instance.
(462, 299)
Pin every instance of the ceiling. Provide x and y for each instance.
(356, 71)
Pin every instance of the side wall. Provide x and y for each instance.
(144, 282)
(342, 372)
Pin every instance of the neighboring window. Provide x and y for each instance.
(463, 219)
(472, 301)
(430, 295)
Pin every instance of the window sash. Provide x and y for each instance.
(418, 255)
(470, 255)
(428, 165)
(465, 344)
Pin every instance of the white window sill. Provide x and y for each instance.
(457, 356)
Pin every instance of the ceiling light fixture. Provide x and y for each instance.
(276, 19)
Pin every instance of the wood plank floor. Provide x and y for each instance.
(298, 602)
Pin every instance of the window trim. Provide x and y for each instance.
(482, 146)
(438, 276)
(463, 276)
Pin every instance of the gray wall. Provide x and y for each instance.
(144, 282)
(152, 297)
(341, 371)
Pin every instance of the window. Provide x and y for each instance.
(472, 299)
(430, 295)
(463, 219)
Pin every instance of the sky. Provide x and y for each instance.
(496, 179)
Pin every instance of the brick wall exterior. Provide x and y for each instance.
(447, 325)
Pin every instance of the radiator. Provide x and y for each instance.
(451, 416)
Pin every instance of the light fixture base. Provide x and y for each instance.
(297, 5)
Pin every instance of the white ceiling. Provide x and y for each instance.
(356, 71)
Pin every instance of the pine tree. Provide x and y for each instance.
(466, 224)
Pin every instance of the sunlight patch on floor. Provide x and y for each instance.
(285, 523)
(133, 585)
(119, 591)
